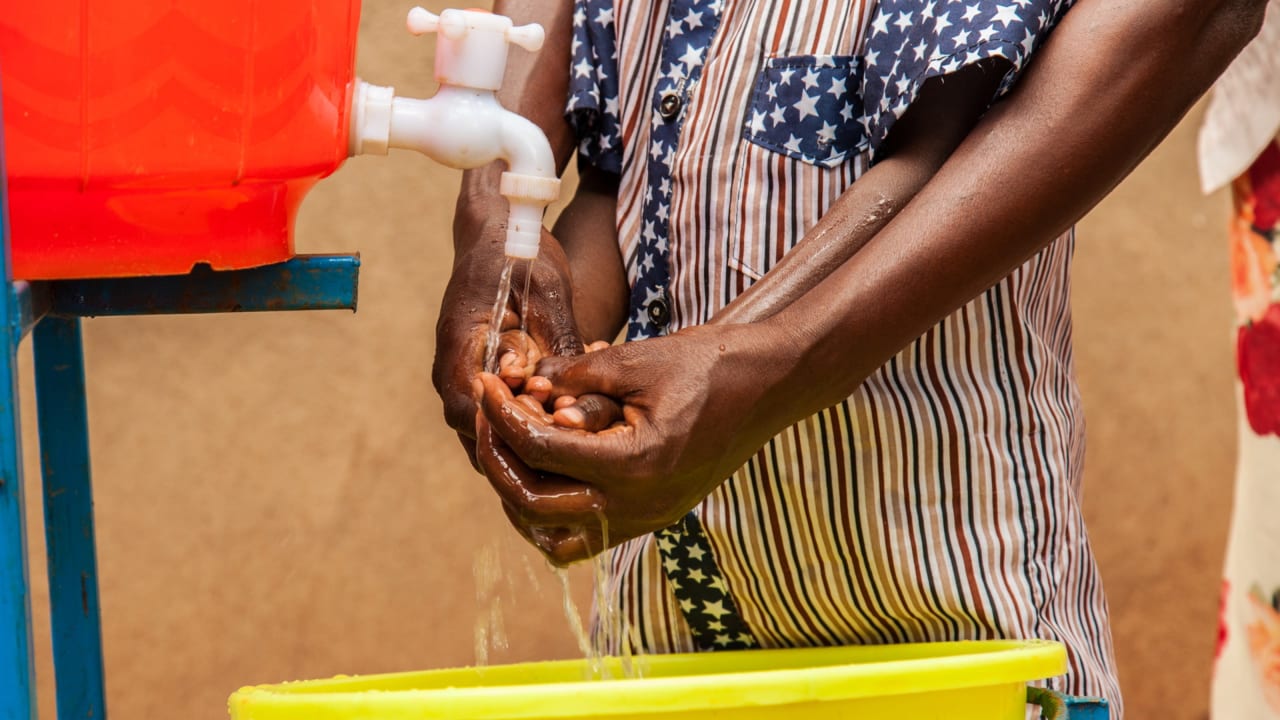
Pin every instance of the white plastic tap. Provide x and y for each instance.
(463, 125)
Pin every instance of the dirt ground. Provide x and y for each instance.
(278, 497)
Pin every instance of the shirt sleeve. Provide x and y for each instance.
(592, 109)
(1244, 115)
(910, 41)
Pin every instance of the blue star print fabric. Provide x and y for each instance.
(829, 107)
(699, 588)
(804, 107)
(910, 41)
(822, 110)
(593, 86)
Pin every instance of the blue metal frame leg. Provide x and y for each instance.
(68, 518)
(17, 691)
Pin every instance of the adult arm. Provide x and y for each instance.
(546, 507)
(584, 247)
(932, 127)
(1109, 84)
(536, 88)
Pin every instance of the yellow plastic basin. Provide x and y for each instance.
(957, 681)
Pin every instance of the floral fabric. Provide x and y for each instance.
(1247, 676)
(1256, 290)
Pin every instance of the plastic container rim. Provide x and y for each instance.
(992, 663)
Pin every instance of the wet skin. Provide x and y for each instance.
(946, 109)
(1111, 81)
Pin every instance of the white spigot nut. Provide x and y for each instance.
(522, 244)
(531, 188)
(371, 110)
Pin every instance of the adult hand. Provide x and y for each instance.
(691, 415)
(463, 328)
(546, 509)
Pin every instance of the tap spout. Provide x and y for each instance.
(465, 128)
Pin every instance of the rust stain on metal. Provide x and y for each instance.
(84, 593)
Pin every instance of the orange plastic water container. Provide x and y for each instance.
(145, 136)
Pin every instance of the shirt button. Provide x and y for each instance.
(660, 313)
(669, 106)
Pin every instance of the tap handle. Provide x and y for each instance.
(422, 21)
(529, 36)
(453, 25)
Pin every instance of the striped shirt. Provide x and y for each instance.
(942, 500)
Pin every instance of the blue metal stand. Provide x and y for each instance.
(17, 689)
(68, 518)
(52, 312)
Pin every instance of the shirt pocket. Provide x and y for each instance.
(808, 107)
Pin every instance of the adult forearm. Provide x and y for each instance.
(535, 87)
(936, 123)
(1109, 84)
(587, 230)
(857, 216)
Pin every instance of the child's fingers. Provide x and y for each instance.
(598, 345)
(532, 353)
(539, 387)
(519, 355)
(533, 405)
(514, 341)
(511, 369)
(591, 412)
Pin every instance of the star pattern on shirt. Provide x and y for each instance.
(592, 107)
(820, 109)
(803, 108)
(910, 41)
(690, 27)
(699, 588)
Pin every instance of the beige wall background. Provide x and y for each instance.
(278, 497)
